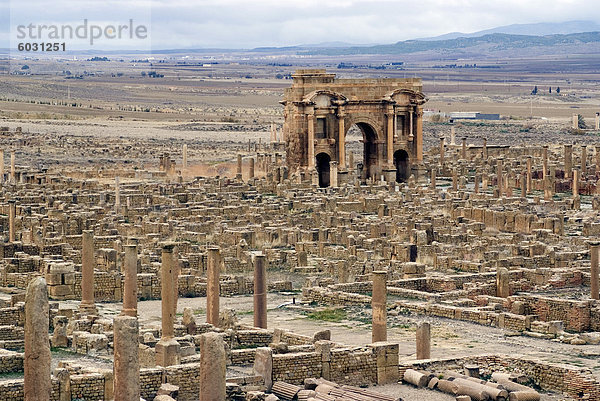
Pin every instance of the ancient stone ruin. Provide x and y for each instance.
(469, 271)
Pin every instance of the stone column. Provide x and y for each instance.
(419, 138)
(260, 292)
(37, 383)
(454, 181)
(12, 167)
(452, 135)
(311, 142)
(390, 139)
(509, 185)
(499, 176)
(433, 178)
(126, 366)
(568, 160)
(238, 171)
(333, 173)
(212, 286)
(212, 367)
(88, 263)
(251, 168)
(594, 270)
(476, 184)
(12, 215)
(583, 160)
(485, 150)
(442, 151)
(597, 122)
(548, 188)
(529, 176)
(424, 341)
(575, 121)
(502, 283)
(342, 140)
(2, 165)
(545, 161)
(597, 160)
(463, 153)
(379, 306)
(523, 186)
(130, 285)
(185, 157)
(484, 181)
(167, 349)
(117, 195)
(575, 184)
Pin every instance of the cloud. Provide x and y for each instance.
(247, 24)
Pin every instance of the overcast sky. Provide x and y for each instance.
(247, 23)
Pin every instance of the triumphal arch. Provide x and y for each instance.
(319, 109)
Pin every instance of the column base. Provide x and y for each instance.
(167, 352)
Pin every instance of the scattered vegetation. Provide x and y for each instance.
(328, 315)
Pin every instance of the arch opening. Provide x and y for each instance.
(323, 160)
(370, 148)
(402, 165)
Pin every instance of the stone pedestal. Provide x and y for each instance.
(212, 367)
(167, 352)
(423, 337)
(126, 365)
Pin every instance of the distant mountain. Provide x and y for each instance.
(482, 44)
(335, 44)
(539, 29)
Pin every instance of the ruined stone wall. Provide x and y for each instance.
(295, 367)
(8, 316)
(11, 361)
(13, 390)
(89, 386)
(575, 314)
(353, 367)
(327, 296)
(187, 377)
(150, 381)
